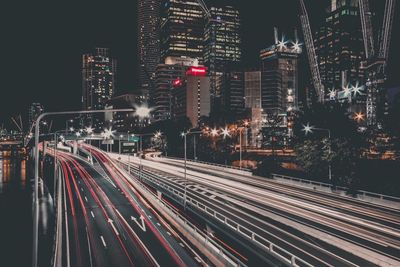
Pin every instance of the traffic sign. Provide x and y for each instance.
(133, 139)
(128, 147)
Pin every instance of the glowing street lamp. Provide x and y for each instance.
(357, 89)
(108, 133)
(78, 134)
(225, 132)
(89, 130)
(308, 128)
(332, 94)
(214, 132)
(142, 112)
(358, 116)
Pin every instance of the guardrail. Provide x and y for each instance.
(268, 245)
(330, 186)
(221, 252)
(58, 236)
(211, 163)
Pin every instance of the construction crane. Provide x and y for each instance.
(312, 57)
(376, 58)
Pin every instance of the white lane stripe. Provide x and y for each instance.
(104, 242)
(91, 212)
(86, 199)
(113, 227)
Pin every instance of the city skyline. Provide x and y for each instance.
(200, 133)
(39, 42)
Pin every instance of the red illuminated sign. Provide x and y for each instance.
(177, 83)
(197, 71)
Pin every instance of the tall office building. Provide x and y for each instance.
(98, 78)
(148, 43)
(232, 92)
(252, 89)
(222, 43)
(252, 103)
(166, 74)
(279, 77)
(339, 46)
(191, 98)
(182, 29)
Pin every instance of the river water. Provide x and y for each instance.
(16, 215)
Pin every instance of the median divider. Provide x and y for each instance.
(273, 249)
(390, 201)
(217, 254)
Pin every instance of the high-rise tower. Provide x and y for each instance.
(222, 44)
(98, 78)
(182, 29)
(148, 43)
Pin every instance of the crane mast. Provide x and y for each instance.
(376, 61)
(387, 29)
(312, 57)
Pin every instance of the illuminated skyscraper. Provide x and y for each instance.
(148, 42)
(98, 79)
(182, 29)
(339, 45)
(222, 44)
(279, 77)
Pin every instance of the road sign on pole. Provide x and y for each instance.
(133, 139)
(128, 147)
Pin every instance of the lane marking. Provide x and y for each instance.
(113, 227)
(91, 212)
(104, 242)
(86, 199)
(142, 225)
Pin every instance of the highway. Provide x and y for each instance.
(319, 229)
(108, 224)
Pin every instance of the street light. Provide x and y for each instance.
(309, 129)
(358, 116)
(121, 136)
(36, 174)
(184, 135)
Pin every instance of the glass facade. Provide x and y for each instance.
(222, 43)
(148, 43)
(182, 29)
(98, 79)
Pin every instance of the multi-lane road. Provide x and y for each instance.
(292, 223)
(107, 223)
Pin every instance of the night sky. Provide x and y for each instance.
(42, 43)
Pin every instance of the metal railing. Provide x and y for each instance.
(213, 164)
(268, 245)
(332, 187)
(221, 252)
(58, 236)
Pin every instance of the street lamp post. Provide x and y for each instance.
(184, 135)
(119, 150)
(36, 173)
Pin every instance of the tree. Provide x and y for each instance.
(315, 151)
